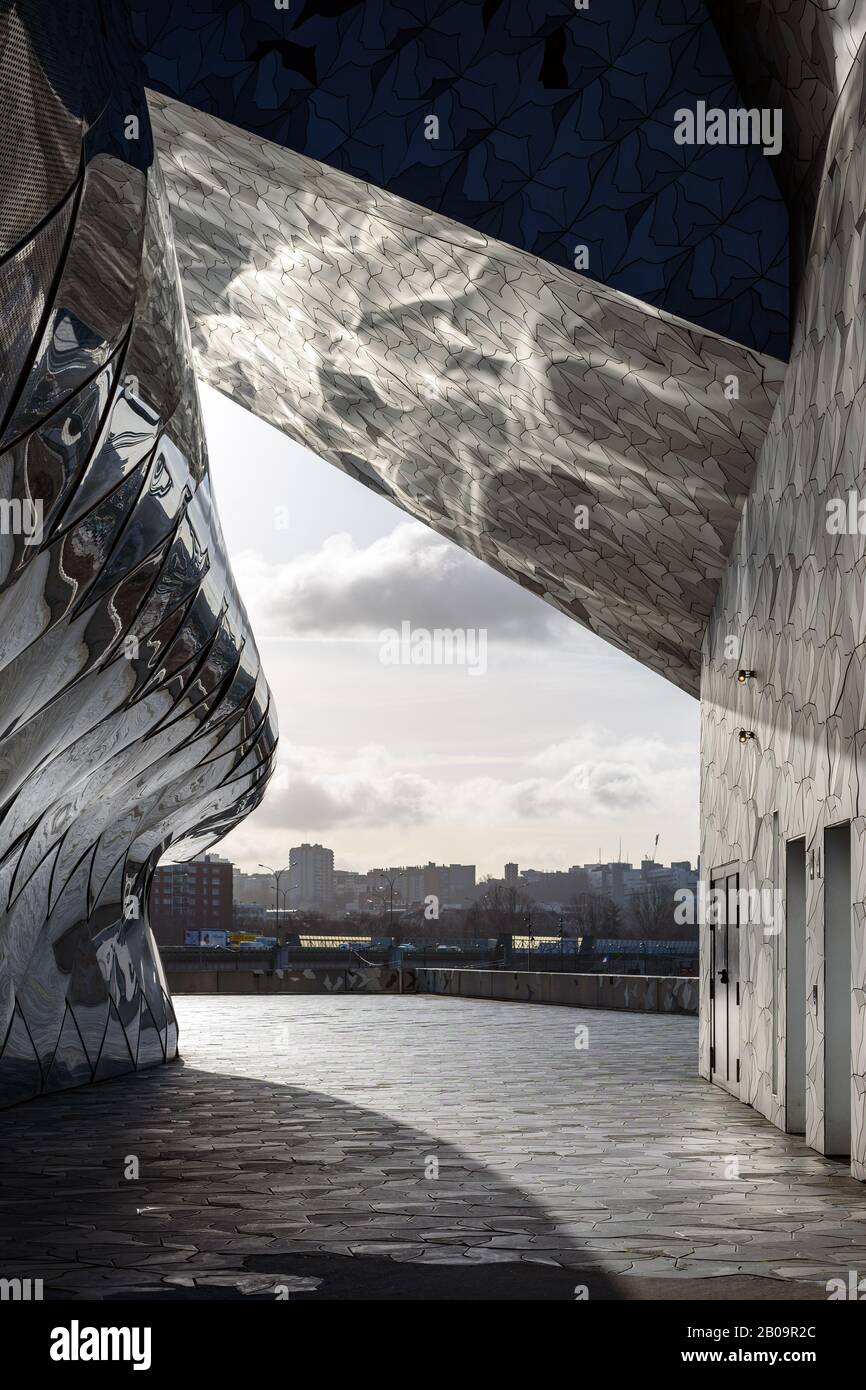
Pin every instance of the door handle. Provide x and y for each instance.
(723, 976)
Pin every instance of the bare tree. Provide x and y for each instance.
(501, 910)
(651, 914)
(309, 920)
(593, 914)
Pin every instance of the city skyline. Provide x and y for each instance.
(210, 894)
(389, 862)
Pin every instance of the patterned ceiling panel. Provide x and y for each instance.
(797, 55)
(553, 129)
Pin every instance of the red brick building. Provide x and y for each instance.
(196, 895)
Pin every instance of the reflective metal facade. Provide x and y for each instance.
(484, 391)
(546, 125)
(133, 712)
(793, 599)
(411, 312)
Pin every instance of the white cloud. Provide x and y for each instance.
(597, 774)
(312, 790)
(350, 591)
(582, 780)
(480, 770)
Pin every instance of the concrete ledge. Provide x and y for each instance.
(637, 993)
(326, 979)
(665, 994)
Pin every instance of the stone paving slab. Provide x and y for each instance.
(418, 1147)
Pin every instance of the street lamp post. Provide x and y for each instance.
(390, 880)
(277, 873)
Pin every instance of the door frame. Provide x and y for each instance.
(796, 1003)
(721, 979)
(836, 984)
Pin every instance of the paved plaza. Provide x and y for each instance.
(415, 1147)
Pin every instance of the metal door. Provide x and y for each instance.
(725, 979)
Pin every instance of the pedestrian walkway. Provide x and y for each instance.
(419, 1147)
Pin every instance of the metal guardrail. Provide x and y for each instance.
(627, 962)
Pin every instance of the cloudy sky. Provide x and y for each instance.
(562, 746)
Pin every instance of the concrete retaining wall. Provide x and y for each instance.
(641, 993)
(326, 979)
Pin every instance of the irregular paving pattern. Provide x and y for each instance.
(290, 1148)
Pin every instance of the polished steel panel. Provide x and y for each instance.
(134, 717)
(594, 448)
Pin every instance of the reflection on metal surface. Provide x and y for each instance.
(591, 447)
(133, 712)
(548, 127)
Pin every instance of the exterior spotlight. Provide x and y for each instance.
(745, 735)
(743, 676)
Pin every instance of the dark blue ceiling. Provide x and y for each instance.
(555, 129)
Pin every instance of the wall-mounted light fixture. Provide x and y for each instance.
(744, 675)
(746, 734)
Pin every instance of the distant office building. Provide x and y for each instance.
(412, 883)
(196, 895)
(614, 880)
(668, 878)
(556, 889)
(618, 880)
(450, 883)
(459, 884)
(404, 887)
(433, 883)
(255, 888)
(311, 877)
(250, 917)
(350, 890)
(409, 884)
